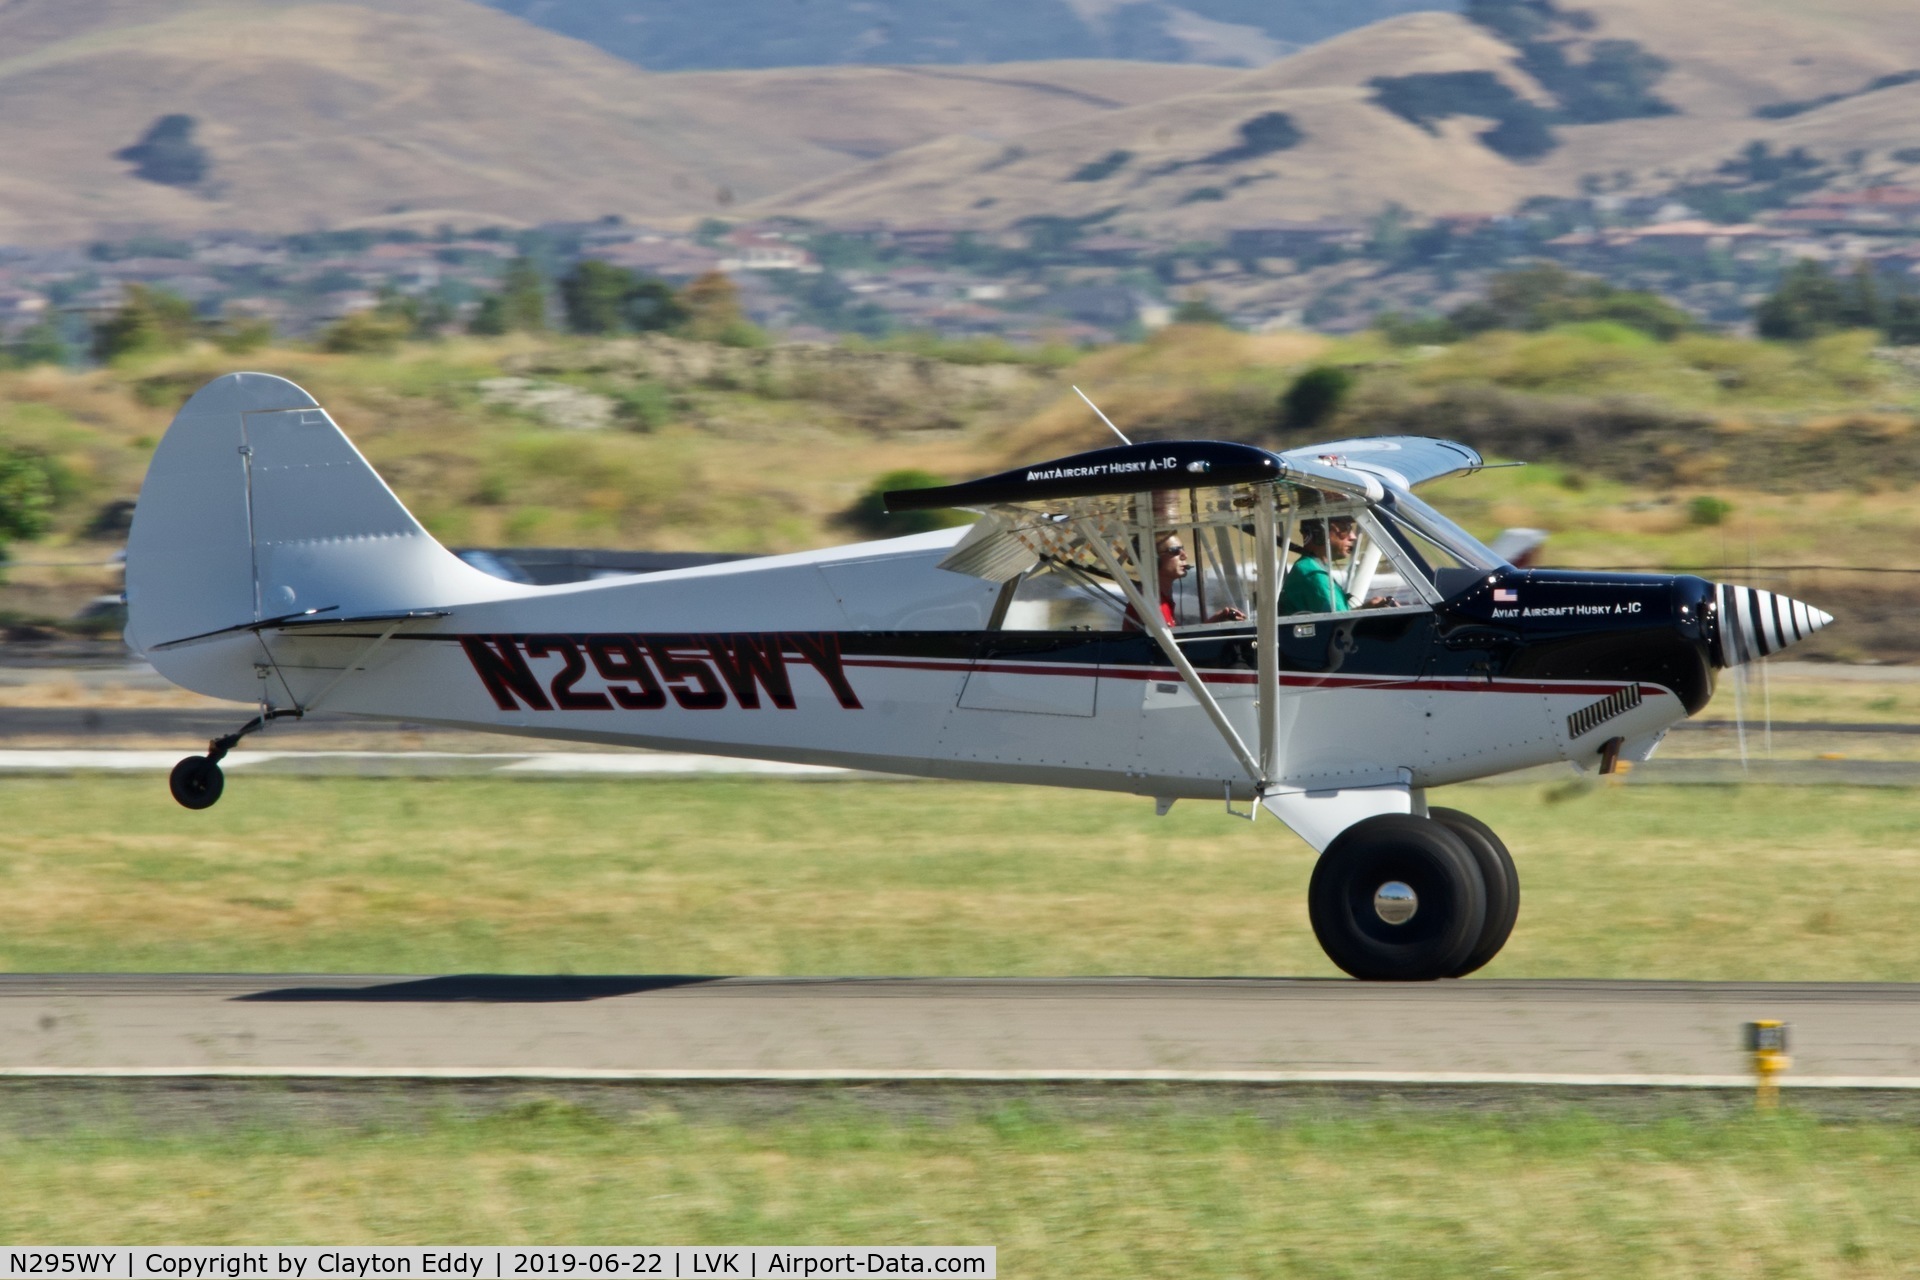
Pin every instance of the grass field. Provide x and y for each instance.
(1380, 1191)
(927, 878)
(770, 878)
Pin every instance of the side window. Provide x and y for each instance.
(1057, 596)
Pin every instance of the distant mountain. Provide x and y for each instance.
(125, 115)
(672, 35)
(1440, 113)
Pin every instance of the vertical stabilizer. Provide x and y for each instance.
(255, 507)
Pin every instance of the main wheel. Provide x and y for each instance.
(1502, 880)
(1397, 898)
(197, 782)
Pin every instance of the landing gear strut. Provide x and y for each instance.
(196, 782)
(1402, 898)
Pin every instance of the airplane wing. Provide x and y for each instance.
(1139, 468)
(1404, 461)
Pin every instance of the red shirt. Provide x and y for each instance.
(1132, 620)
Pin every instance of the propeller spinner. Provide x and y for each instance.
(1754, 624)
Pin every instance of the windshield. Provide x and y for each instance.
(1463, 546)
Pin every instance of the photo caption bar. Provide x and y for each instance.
(496, 1262)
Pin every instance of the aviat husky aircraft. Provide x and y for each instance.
(1058, 640)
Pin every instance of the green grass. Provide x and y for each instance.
(726, 877)
(1384, 1193)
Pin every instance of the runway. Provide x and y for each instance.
(1251, 1030)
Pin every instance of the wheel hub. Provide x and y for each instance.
(1395, 902)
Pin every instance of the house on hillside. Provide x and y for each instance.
(761, 251)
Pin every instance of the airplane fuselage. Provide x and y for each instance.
(1525, 668)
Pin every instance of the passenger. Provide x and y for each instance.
(1173, 566)
(1310, 587)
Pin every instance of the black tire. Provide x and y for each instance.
(1426, 857)
(197, 782)
(1502, 879)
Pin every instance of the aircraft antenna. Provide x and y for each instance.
(1103, 417)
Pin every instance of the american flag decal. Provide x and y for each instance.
(1590, 718)
(1505, 595)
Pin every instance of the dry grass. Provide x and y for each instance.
(429, 111)
(721, 877)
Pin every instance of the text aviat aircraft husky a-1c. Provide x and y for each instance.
(1061, 639)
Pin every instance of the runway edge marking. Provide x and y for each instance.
(848, 1076)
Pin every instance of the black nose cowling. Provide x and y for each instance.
(1748, 624)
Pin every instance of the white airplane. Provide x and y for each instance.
(1058, 640)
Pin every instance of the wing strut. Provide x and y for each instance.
(1156, 626)
(1266, 633)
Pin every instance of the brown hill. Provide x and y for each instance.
(318, 114)
(1186, 166)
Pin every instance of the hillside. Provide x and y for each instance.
(1440, 114)
(666, 35)
(310, 114)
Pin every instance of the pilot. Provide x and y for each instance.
(1174, 565)
(1310, 587)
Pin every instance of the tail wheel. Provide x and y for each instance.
(197, 782)
(1502, 880)
(1397, 898)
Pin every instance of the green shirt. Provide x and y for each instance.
(1310, 588)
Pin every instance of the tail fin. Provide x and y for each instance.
(256, 506)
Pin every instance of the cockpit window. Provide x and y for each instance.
(1464, 549)
(1194, 554)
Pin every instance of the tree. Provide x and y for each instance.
(519, 306)
(148, 320)
(1542, 295)
(599, 297)
(712, 307)
(1314, 398)
(39, 343)
(1903, 321)
(1810, 302)
(594, 296)
(167, 153)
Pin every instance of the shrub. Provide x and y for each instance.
(1314, 398)
(1263, 135)
(366, 333)
(237, 335)
(870, 514)
(1198, 310)
(1708, 510)
(1105, 167)
(643, 407)
(26, 497)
